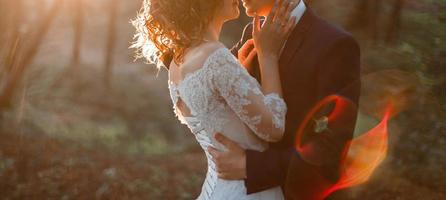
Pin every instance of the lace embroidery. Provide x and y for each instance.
(223, 76)
(213, 93)
(265, 115)
(273, 100)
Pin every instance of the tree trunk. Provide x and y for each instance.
(373, 18)
(366, 16)
(10, 32)
(4, 4)
(360, 15)
(26, 56)
(111, 44)
(10, 36)
(394, 26)
(78, 21)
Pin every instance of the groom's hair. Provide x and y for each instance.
(175, 25)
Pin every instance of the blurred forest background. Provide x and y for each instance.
(79, 119)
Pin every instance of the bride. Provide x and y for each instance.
(211, 91)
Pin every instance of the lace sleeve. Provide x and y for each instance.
(264, 114)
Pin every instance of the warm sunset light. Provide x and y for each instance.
(222, 99)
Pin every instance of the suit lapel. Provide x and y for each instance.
(296, 38)
(292, 45)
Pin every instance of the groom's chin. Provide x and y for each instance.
(250, 13)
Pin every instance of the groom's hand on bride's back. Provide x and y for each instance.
(230, 164)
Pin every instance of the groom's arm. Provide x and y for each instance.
(338, 75)
(268, 169)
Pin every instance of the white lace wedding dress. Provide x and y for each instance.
(222, 97)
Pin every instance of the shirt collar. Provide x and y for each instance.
(299, 11)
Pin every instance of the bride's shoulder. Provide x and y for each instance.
(197, 56)
(207, 49)
(210, 47)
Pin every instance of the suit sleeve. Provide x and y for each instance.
(338, 74)
(268, 169)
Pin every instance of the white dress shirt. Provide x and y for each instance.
(299, 11)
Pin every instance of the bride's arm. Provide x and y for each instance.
(269, 40)
(263, 113)
(260, 107)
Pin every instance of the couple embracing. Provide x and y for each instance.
(245, 104)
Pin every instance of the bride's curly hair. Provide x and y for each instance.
(166, 28)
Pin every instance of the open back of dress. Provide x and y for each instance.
(222, 97)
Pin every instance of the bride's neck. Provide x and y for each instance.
(213, 32)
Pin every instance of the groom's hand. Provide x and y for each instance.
(231, 164)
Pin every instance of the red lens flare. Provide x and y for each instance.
(365, 154)
(361, 155)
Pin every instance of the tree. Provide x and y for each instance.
(394, 26)
(367, 14)
(10, 32)
(22, 53)
(78, 21)
(111, 44)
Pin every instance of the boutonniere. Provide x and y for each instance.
(321, 124)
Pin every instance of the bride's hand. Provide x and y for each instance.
(247, 54)
(270, 38)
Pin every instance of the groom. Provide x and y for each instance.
(318, 60)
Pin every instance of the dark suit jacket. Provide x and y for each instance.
(318, 60)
